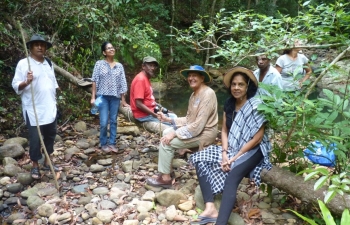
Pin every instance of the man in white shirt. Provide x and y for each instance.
(42, 77)
(266, 73)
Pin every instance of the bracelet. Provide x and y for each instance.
(224, 150)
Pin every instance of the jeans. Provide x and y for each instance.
(48, 131)
(108, 110)
(150, 118)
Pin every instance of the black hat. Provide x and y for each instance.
(36, 38)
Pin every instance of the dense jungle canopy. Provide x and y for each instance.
(214, 33)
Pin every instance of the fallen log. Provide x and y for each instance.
(303, 190)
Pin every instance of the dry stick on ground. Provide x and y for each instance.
(36, 116)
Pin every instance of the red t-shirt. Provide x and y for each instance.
(141, 89)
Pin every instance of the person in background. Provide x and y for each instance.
(244, 151)
(43, 80)
(108, 81)
(197, 129)
(266, 73)
(291, 65)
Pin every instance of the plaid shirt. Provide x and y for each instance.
(245, 125)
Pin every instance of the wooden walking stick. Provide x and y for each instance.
(36, 116)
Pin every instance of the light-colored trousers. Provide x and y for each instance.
(166, 152)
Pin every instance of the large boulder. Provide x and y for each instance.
(17, 140)
(170, 197)
(11, 150)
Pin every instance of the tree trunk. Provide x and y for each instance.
(303, 190)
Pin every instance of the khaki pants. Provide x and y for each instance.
(166, 152)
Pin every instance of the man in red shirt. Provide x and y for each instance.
(142, 100)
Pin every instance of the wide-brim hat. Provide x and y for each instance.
(228, 75)
(198, 69)
(36, 38)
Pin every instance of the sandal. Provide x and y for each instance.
(35, 172)
(47, 167)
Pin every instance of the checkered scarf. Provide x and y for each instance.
(245, 125)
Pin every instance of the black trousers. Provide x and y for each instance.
(48, 132)
(232, 181)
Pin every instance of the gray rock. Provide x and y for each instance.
(15, 216)
(11, 150)
(12, 170)
(25, 178)
(80, 126)
(152, 188)
(89, 151)
(105, 216)
(91, 132)
(177, 163)
(34, 202)
(120, 176)
(5, 180)
(100, 191)
(84, 200)
(8, 161)
(188, 187)
(116, 193)
(236, 219)
(136, 164)
(1, 193)
(144, 206)
(242, 196)
(121, 186)
(149, 196)
(127, 179)
(14, 188)
(79, 188)
(17, 140)
(267, 217)
(91, 208)
(29, 192)
(96, 221)
(142, 215)
(45, 210)
(14, 200)
(170, 213)
(105, 162)
(170, 197)
(96, 168)
(85, 216)
(47, 191)
(53, 218)
(71, 151)
(130, 222)
(64, 217)
(106, 204)
(132, 130)
(127, 166)
(83, 143)
(264, 205)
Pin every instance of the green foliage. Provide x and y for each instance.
(327, 216)
(237, 36)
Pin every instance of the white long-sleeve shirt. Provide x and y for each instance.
(44, 85)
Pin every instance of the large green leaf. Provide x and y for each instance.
(326, 214)
(320, 182)
(310, 221)
(345, 218)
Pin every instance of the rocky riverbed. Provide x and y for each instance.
(108, 188)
